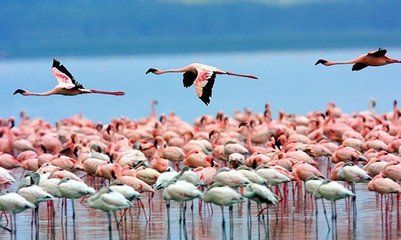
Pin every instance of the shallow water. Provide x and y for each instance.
(288, 80)
(293, 218)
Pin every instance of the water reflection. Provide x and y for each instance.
(297, 216)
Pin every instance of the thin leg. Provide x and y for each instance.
(325, 214)
(110, 226)
(168, 219)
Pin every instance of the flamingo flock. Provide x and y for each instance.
(218, 160)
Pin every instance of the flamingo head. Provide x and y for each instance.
(321, 61)
(152, 70)
(246, 124)
(20, 91)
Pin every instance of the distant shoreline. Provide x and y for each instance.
(192, 44)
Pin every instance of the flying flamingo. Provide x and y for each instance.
(202, 76)
(67, 85)
(373, 58)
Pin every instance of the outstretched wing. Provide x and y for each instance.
(379, 53)
(358, 66)
(204, 84)
(64, 77)
(189, 78)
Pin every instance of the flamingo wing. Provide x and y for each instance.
(64, 77)
(204, 84)
(379, 53)
(358, 66)
(189, 78)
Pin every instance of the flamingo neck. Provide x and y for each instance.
(241, 75)
(185, 69)
(107, 92)
(248, 139)
(330, 63)
(38, 94)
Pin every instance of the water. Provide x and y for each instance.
(289, 80)
(293, 218)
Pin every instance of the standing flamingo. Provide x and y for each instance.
(332, 191)
(260, 194)
(223, 196)
(202, 76)
(73, 189)
(109, 201)
(67, 85)
(373, 58)
(14, 203)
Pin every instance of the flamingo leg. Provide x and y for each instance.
(168, 219)
(325, 215)
(110, 226)
(267, 222)
(353, 200)
(73, 209)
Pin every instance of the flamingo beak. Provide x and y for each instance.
(322, 61)
(152, 70)
(20, 91)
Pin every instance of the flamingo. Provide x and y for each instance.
(223, 196)
(180, 191)
(73, 189)
(202, 76)
(384, 185)
(332, 191)
(67, 85)
(260, 194)
(373, 58)
(14, 203)
(109, 201)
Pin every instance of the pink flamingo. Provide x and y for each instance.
(202, 76)
(373, 58)
(67, 85)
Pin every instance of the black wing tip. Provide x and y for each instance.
(188, 79)
(20, 91)
(56, 63)
(321, 61)
(379, 53)
(207, 90)
(358, 66)
(205, 100)
(382, 50)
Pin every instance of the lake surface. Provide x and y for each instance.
(293, 218)
(289, 80)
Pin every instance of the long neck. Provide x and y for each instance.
(153, 113)
(107, 92)
(248, 139)
(48, 93)
(184, 69)
(330, 63)
(241, 75)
